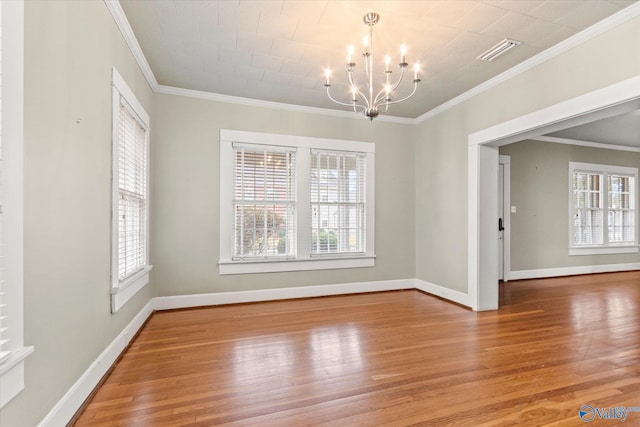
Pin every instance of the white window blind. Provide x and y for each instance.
(264, 202)
(132, 194)
(337, 202)
(621, 206)
(602, 208)
(587, 208)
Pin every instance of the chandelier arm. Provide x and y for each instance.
(359, 92)
(380, 96)
(393, 89)
(350, 104)
(399, 80)
(415, 86)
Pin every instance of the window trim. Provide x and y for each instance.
(605, 171)
(12, 369)
(121, 292)
(303, 260)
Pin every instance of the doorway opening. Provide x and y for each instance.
(483, 169)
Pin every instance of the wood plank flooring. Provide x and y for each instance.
(392, 358)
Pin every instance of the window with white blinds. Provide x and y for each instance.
(622, 213)
(13, 352)
(587, 208)
(130, 195)
(338, 214)
(294, 203)
(602, 207)
(264, 202)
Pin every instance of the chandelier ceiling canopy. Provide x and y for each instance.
(365, 95)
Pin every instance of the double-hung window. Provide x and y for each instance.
(338, 214)
(291, 203)
(130, 204)
(264, 202)
(602, 209)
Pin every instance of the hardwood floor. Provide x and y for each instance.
(390, 358)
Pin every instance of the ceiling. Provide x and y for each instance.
(277, 50)
(623, 129)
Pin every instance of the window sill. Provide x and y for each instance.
(12, 375)
(126, 290)
(603, 250)
(249, 267)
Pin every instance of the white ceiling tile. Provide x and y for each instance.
(623, 3)
(298, 67)
(448, 11)
(288, 49)
(253, 42)
(217, 67)
(197, 48)
(509, 24)
(235, 56)
(232, 17)
(520, 6)
(533, 33)
(479, 17)
(266, 62)
(554, 10)
(277, 26)
(305, 81)
(265, 48)
(214, 35)
(195, 10)
(249, 73)
(266, 7)
(588, 15)
(555, 37)
(307, 11)
(186, 62)
(275, 78)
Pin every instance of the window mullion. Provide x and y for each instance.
(303, 204)
(605, 208)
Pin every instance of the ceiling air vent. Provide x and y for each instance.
(497, 50)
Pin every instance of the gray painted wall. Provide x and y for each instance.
(70, 48)
(540, 190)
(441, 145)
(185, 194)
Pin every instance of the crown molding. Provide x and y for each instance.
(130, 38)
(584, 35)
(209, 96)
(127, 32)
(568, 141)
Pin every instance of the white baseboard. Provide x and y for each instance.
(198, 300)
(442, 292)
(66, 407)
(64, 410)
(571, 271)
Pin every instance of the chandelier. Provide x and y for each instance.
(365, 100)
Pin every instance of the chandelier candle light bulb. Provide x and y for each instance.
(368, 101)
